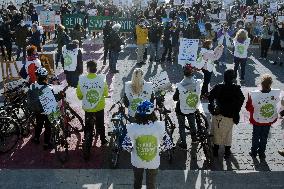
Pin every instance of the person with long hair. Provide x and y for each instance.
(145, 139)
(241, 44)
(32, 63)
(205, 60)
(136, 91)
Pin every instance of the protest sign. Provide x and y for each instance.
(57, 19)
(259, 19)
(188, 51)
(49, 104)
(177, 2)
(249, 18)
(280, 19)
(160, 81)
(202, 27)
(47, 20)
(92, 12)
(70, 20)
(188, 3)
(222, 15)
(273, 7)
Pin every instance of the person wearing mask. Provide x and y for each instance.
(265, 39)
(92, 90)
(167, 43)
(155, 35)
(241, 44)
(276, 47)
(142, 40)
(262, 106)
(225, 103)
(61, 40)
(42, 119)
(205, 61)
(32, 63)
(35, 38)
(136, 91)
(115, 47)
(21, 34)
(145, 140)
(106, 34)
(73, 62)
(77, 34)
(187, 95)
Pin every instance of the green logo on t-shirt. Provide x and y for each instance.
(67, 60)
(135, 103)
(241, 49)
(267, 110)
(92, 96)
(192, 100)
(146, 147)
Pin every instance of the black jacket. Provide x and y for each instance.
(155, 33)
(227, 100)
(106, 33)
(115, 41)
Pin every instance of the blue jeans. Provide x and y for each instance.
(242, 62)
(113, 59)
(224, 57)
(155, 51)
(181, 122)
(259, 139)
(19, 50)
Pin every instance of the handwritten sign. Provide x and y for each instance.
(160, 81)
(49, 104)
(188, 51)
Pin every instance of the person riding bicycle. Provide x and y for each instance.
(137, 90)
(144, 140)
(92, 90)
(187, 96)
(225, 103)
(38, 89)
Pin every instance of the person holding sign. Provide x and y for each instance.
(136, 91)
(187, 96)
(145, 139)
(262, 106)
(92, 90)
(241, 44)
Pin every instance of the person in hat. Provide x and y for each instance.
(187, 95)
(145, 139)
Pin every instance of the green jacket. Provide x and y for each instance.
(101, 104)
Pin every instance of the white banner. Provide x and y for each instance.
(188, 51)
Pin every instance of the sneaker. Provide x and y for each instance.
(281, 152)
(182, 146)
(253, 155)
(35, 140)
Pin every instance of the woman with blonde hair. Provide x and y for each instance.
(241, 44)
(137, 90)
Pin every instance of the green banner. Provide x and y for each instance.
(70, 20)
(98, 23)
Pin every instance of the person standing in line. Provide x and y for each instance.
(241, 44)
(225, 103)
(145, 139)
(92, 90)
(142, 40)
(262, 106)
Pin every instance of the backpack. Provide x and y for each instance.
(33, 102)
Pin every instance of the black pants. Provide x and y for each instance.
(106, 51)
(259, 139)
(145, 54)
(151, 175)
(206, 82)
(72, 78)
(42, 120)
(92, 118)
(8, 49)
(167, 51)
(242, 62)
(264, 43)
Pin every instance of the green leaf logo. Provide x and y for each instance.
(67, 60)
(267, 110)
(146, 147)
(192, 100)
(241, 49)
(135, 103)
(92, 96)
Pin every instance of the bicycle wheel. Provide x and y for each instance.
(9, 134)
(60, 142)
(75, 121)
(115, 150)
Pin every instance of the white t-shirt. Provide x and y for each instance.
(241, 49)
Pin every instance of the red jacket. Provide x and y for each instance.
(31, 66)
(250, 109)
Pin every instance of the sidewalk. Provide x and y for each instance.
(122, 179)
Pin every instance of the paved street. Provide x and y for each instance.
(28, 155)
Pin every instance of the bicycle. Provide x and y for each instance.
(164, 116)
(203, 137)
(119, 120)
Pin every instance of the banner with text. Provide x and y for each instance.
(188, 51)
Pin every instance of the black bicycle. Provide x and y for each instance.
(119, 120)
(203, 137)
(164, 115)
